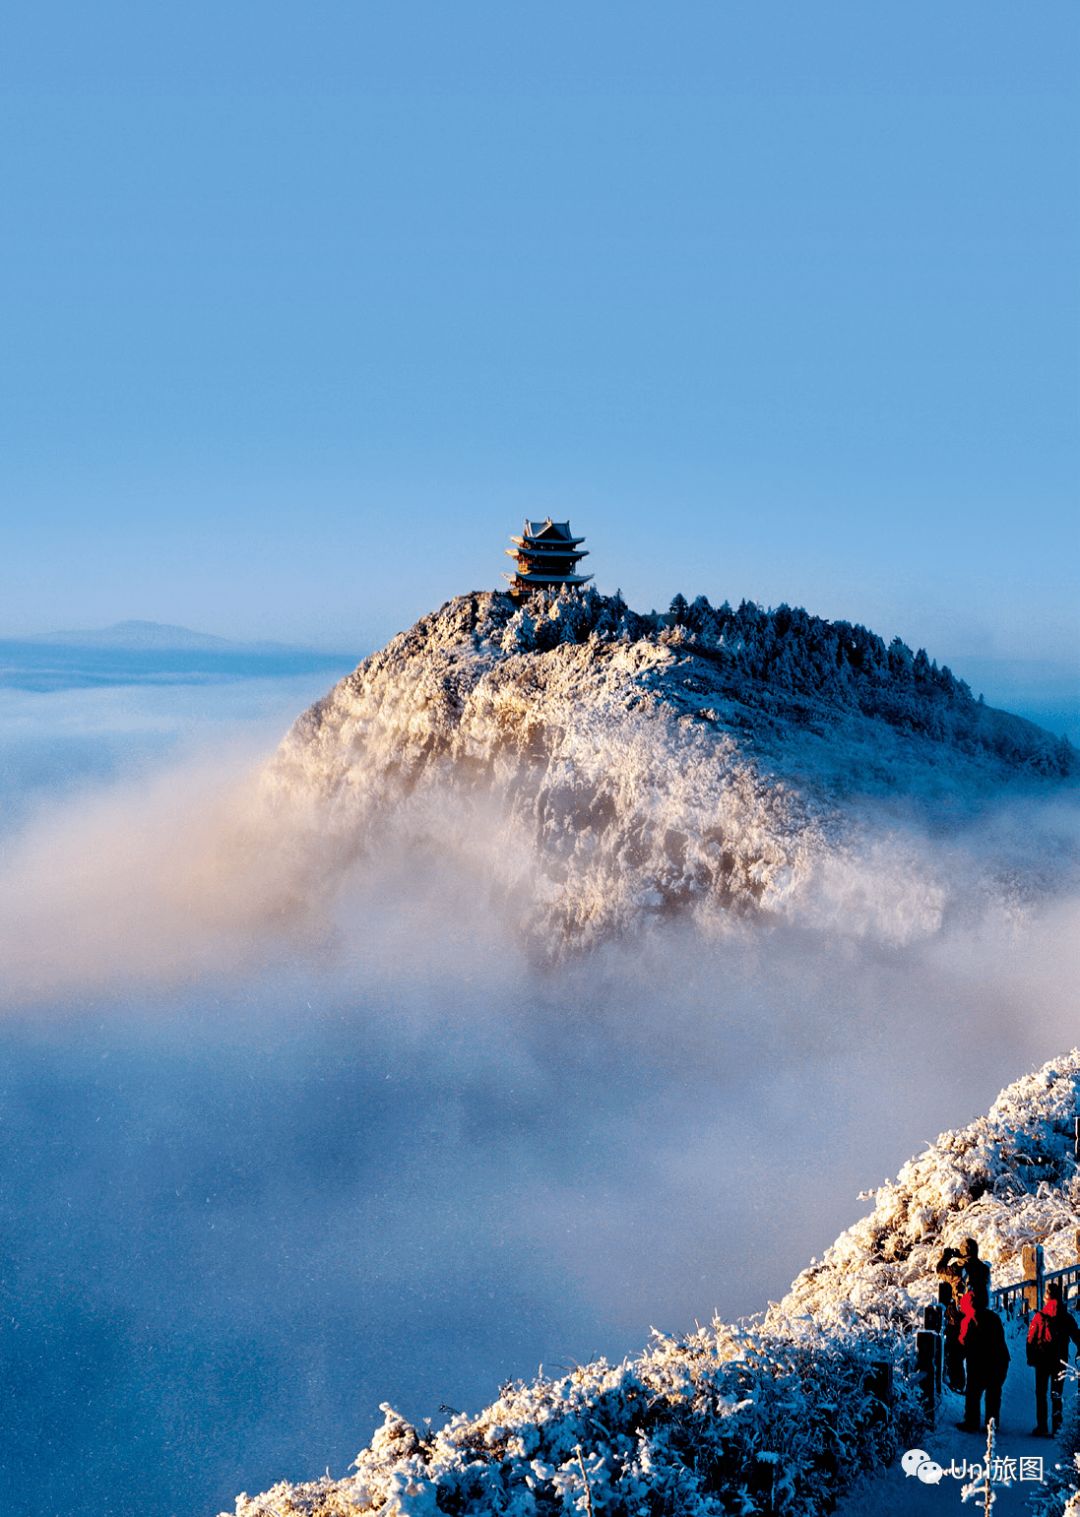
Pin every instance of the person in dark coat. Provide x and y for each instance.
(1049, 1336)
(951, 1278)
(986, 1359)
(976, 1273)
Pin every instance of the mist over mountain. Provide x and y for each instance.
(601, 768)
(524, 974)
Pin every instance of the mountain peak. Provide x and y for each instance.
(633, 766)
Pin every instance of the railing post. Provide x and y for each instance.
(1040, 1273)
(1029, 1257)
(926, 1361)
(933, 1321)
(1076, 1137)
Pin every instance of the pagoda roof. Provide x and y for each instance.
(548, 529)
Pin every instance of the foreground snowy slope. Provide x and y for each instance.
(594, 767)
(781, 1413)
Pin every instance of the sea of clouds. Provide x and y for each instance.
(279, 1147)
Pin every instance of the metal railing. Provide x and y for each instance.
(1019, 1299)
(1026, 1296)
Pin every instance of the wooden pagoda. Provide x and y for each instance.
(546, 556)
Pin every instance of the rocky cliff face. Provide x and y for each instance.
(597, 768)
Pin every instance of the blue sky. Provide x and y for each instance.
(305, 307)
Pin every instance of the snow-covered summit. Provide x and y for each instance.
(780, 1413)
(598, 767)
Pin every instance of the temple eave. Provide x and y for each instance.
(547, 579)
(546, 553)
(546, 543)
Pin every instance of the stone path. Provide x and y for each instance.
(902, 1495)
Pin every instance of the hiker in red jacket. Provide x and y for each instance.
(1048, 1353)
(986, 1356)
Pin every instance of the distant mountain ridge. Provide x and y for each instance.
(148, 653)
(138, 635)
(707, 759)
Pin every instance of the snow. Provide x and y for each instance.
(598, 769)
(777, 1413)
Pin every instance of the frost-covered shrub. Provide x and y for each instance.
(788, 650)
(725, 1420)
(1059, 1496)
(1006, 1180)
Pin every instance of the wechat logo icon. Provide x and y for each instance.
(917, 1462)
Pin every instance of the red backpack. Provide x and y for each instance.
(1039, 1338)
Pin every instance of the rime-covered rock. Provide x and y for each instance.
(595, 768)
